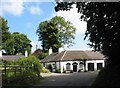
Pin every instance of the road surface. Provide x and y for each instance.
(68, 79)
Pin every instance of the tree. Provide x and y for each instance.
(103, 27)
(13, 43)
(17, 43)
(4, 31)
(55, 33)
(8, 46)
(21, 42)
(103, 30)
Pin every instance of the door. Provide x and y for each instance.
(90, 66)
(99, 66)
(75, 67)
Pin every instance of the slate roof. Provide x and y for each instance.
(95, 55)
(73, 55)
(12, 57)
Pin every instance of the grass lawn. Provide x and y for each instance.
(22, 81)
(21, 84)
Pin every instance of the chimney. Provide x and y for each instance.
(50, 51)
(26, 54)
(61, 49)
(0, 53)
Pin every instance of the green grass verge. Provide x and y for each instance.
(25, 80)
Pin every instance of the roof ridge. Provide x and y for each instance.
(63, 55)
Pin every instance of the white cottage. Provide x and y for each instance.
(74, 60)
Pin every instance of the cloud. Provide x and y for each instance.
(35, 10)
(12, 7)
(74, 17)
(17, 7)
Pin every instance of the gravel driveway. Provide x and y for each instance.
(68, 79)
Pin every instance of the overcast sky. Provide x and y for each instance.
(25, 16)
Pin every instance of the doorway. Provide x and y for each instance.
(75, 67)
(90, 66)
(99, 66)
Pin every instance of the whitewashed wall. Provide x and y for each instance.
(53, 64)
(50, 63)
(95, 63)
(62, 65)
(58, 65)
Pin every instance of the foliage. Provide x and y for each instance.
(13, 43)
(30, 61)
(44, 70)
(17, 43)
(26, 61)
(58, 71)
(42, 55)
(103, 28)
(30, 71)
(7, 62)
(65, 6)
(55, 33)
(108, 77)
(25, 79)
(5, 29)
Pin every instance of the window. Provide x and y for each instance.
(68, 66)
(81, 65)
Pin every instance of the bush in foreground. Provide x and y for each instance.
(27, 76)
(44, 70)
(108, 77)
(30, 61)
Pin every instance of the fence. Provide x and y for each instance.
(14, 70)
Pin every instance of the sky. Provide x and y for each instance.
(25, 16)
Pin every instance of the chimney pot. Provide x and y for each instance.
(61, 49)
(50, 51)
(26, 54)
(0, 53)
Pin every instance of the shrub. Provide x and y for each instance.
(30, 61)
(108, 77)
(44, 70)
(71, 71)
(24, 80)
(58, 71)
(29, 74)
(64, 71)
(6, 62)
